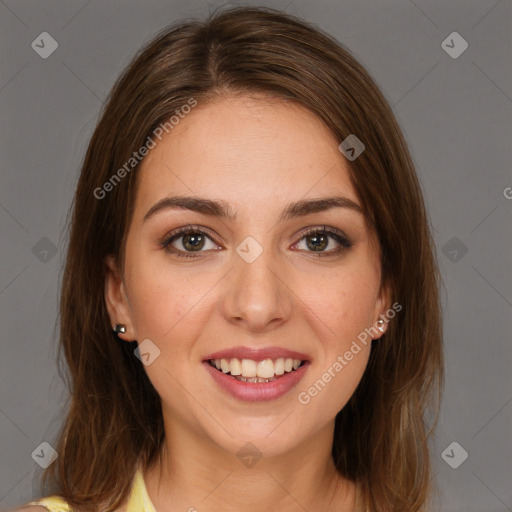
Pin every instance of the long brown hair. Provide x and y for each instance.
(114, 418)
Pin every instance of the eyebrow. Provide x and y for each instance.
(223, 210)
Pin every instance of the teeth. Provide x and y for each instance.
(279, 366)
(249, 370)
(265, 369)
(235, 367)
(253, 379)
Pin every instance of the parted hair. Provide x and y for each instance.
(113, 416)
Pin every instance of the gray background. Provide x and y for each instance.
(456, 116)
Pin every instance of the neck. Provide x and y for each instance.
(195, 474)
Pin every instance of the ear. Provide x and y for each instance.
(116, 301)
(382, 307)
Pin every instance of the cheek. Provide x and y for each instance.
(348, 310)
(341, 305)
(167, 304)
(331, 387)
(340, 317)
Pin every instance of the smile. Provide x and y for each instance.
(250, 370)
(256, 374)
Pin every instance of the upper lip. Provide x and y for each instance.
(257, 354)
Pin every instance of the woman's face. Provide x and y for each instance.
(256, 286)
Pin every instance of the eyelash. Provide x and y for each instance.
(337, 235)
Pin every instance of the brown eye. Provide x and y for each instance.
(318, 240)
(193, 240)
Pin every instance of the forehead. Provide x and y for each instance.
(245, 150)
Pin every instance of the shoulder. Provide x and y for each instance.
(41, 508)
(55, 504)
(30, 508)
(47, 504)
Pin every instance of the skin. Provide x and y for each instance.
(258, 154)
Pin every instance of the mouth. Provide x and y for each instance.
(257, 374)
(253, 371)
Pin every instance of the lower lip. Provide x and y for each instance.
(257, 391)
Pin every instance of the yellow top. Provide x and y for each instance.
(137, 502)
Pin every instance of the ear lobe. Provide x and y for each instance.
(382, 305)
(115, 299)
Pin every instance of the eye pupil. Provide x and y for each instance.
(318, 241)
(193, 241)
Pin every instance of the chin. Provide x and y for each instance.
(265, 436)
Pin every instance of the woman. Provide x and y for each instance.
(249, 309)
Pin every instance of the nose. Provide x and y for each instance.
(257, 296)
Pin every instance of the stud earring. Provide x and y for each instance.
(380, 324)
(119, 328)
